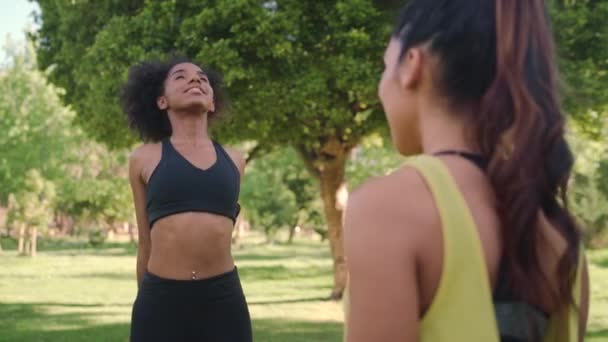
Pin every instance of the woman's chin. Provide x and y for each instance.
(195, 106)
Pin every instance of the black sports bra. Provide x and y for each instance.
(177, 186)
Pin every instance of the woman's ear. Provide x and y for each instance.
(161, 102)
(410, 68)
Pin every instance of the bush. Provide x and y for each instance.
(278, 192)
(97, 237)
(588, 198)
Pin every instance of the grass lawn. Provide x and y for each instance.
(71, 292)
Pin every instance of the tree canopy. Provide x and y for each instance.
(582, 37)
(300, 73)
(39, 135)
(36, 127)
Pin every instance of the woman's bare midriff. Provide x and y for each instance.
(191, 245)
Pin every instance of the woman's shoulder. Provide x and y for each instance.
(144, 154)
(400, 204)
(403, 184)
(237, 156)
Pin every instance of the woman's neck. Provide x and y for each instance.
(445, 129)
(190, 129)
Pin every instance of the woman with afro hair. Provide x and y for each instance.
(185, 189)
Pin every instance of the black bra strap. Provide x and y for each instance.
(166, 148)
(477, 159)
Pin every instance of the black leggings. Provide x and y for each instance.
(212, 309)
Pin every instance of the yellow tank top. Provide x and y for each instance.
(463, 310)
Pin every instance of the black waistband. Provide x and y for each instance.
(155, 279)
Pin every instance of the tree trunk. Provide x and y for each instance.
(21, 248)
(33, 241)
(293, 227)
(59, 223)
(5, 225)
(334, 203)
(328, 165)
(292, 232)
(28, 241)
(71, 228)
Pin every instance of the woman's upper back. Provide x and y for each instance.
(470, 230)
(449, 225)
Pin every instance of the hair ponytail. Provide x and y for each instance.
(521, 128)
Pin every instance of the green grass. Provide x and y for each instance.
(71, 292)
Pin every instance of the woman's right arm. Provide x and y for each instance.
(139, 198)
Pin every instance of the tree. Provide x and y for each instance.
(96, 191)
(31, 210)
(279, 192)
(582, 36)
(589, 190)
(39, 134)
(301, 73)
(36, 128)
(301, 185)
(267, 203)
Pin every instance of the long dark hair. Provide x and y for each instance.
(145, 83)
(498, 56)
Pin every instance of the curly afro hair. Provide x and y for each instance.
(146, 83)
